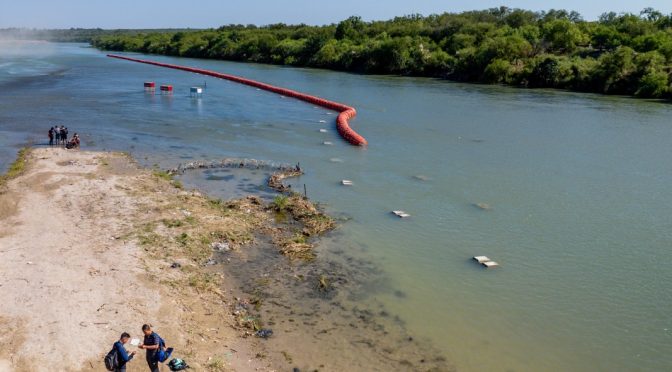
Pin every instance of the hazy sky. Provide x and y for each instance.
(213, 13)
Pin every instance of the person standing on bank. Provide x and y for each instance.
(57, 135)
(51, 136)
(123, 356)
(151, 343)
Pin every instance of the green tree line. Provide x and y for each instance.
(625, 54)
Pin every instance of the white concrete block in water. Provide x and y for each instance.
(485, 261)
(481, 259)
(401, 214)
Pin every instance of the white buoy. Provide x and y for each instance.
(401, 214)
(196, 91)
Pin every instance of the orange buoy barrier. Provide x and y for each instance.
(346, 112)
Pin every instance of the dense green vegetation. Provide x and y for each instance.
(618, 54)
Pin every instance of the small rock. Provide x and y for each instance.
(211, 262)
(175, 265)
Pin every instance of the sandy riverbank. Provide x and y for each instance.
(86, 245)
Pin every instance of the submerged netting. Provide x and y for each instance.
(238, 163)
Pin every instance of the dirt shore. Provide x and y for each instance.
(91, 245)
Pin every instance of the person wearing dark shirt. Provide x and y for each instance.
(123, 356)
(151, 343)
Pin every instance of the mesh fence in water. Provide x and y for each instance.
(234, 163)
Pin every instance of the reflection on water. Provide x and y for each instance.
(578, 189)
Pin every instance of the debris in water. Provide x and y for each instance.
(323, 131)
(323, 121)
(483, 206)
(346, 183)
(421, 177)
(336, 160)
(327, 143)
(401, 214)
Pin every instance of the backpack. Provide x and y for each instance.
(177, 365)
(161, 354)
(112, 359)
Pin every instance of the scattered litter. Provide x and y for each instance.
(401, 214)
(186, 212)
(346, 183)
(485, 261)
(175, 265)
(29, 262)
(264, 333)
(211, 262)
(220, 246)
(323, 131)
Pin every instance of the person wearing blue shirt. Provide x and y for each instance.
(123, 356)
(151, 343)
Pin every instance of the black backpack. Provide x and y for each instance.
(112, 359)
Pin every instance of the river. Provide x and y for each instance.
(578, 189)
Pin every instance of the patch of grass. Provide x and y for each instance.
(216, 364)
(149, 238)
(17, 167)
(172, 223)
(203, 281)
(280, 202)
(183, 239)
(299, 238)
(158, 173)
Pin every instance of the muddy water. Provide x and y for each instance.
(578, 187)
